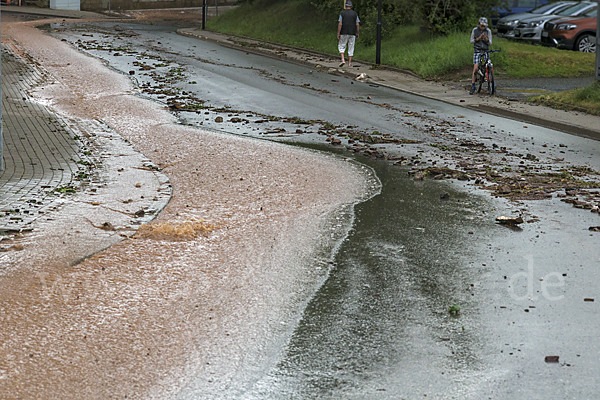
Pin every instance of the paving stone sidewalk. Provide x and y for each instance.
(42, 156)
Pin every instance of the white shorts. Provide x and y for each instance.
(347, 40)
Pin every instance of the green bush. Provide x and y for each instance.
(447, 16)
(440, 16)
(393, 13)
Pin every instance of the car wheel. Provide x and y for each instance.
(586, 44)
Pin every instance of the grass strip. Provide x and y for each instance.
(585, 99)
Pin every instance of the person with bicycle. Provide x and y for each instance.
(481, 38)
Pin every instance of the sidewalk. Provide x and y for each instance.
(44, 156)
(571, 122)
(41, 156)
(168, 14)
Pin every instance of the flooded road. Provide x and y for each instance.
(365, 313)
(381, 323)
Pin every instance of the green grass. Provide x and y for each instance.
(296, 23)
(583, 99)
(426, 55)
(523, 60)
(290, 22)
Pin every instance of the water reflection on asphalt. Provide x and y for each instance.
(380, 323)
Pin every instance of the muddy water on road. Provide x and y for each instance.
(380, 323)
(393, 337)
(148, 316)
(378, 328)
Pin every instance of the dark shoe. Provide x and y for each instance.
(472, 91)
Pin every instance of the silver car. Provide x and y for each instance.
(506, 25)
(531, 28)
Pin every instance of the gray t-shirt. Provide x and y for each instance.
(481, 45)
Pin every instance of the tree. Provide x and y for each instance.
(445, 16)
(439, 16)
(394, 13)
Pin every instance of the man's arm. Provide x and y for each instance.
(486, 37)
(357, 29)
(473, 36)
(339, 29)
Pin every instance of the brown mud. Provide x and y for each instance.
(138, 318)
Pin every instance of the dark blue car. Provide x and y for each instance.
(517, 6)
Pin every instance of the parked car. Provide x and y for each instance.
(531, 28)
(517, 7)
(578, 33)
(506, 25)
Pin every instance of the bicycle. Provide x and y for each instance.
(485, 72)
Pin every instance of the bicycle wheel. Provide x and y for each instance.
(491, 84)
(480, 79)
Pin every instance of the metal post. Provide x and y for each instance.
(217, 7)
(203, 14)
(378, 46)
(598, 43)
(1, 121)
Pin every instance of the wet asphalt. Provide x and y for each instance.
(379, 327)
(380, 323)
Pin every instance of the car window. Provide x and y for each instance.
(561, 8)
(593, 13)
(542, 9)
(573, 10)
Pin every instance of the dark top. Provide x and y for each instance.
(349, 19)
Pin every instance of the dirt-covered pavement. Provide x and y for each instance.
(522, 175)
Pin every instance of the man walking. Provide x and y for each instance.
(348, 28)
(481, 38)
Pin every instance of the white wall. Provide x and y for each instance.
(64, 4)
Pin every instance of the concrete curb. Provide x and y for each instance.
(195, 32)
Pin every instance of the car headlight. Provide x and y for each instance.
(566, 27)
(513, 22)
(534, 24)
